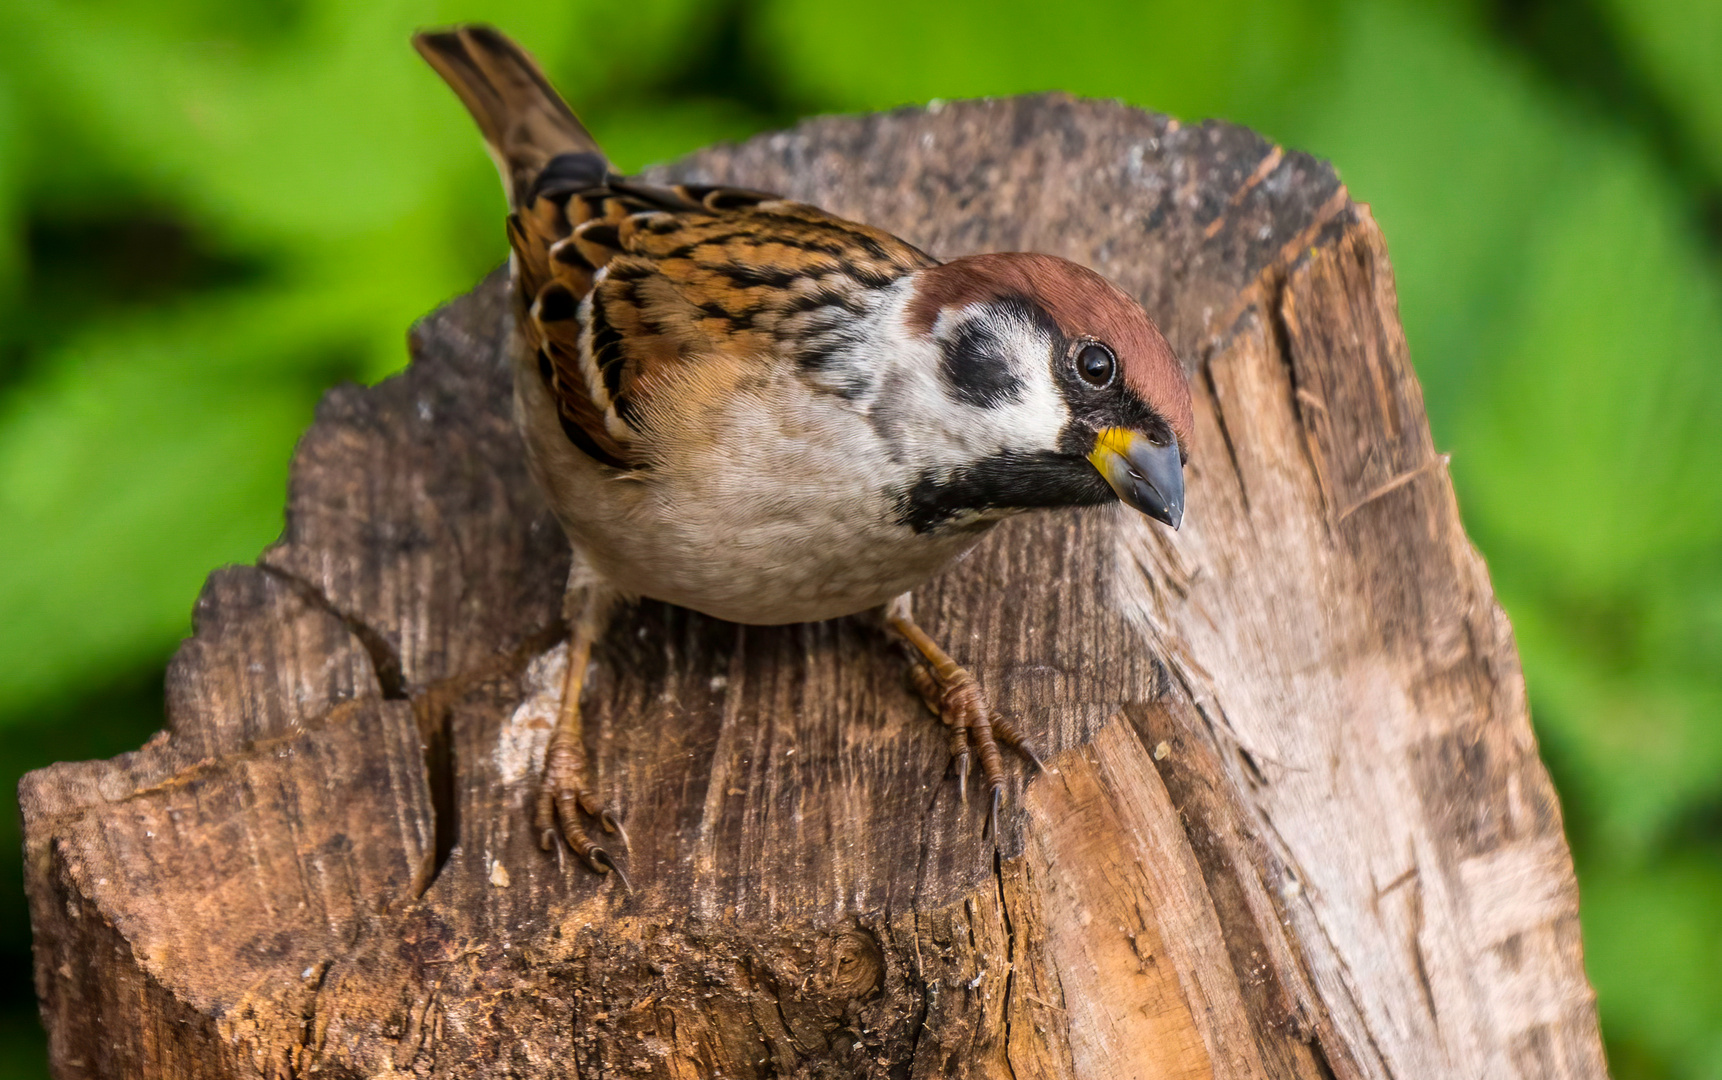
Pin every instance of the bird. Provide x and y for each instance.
(747, 406)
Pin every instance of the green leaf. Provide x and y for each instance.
(1640, 742)
(1653, 943)
(1227, 57)
(1593, 443)
(1677, 45)
(651, 133)
(143, 462)
(11, 255)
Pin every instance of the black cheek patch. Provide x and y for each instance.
(977, 368)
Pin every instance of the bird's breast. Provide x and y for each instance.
(766, 505)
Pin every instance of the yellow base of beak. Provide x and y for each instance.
(1146, 475)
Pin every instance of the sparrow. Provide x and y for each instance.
(749, 407)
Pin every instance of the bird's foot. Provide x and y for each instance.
(976, 730)
(564, 800)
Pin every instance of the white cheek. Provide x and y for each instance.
(1033, 420)
(936, 427)
(909, 404)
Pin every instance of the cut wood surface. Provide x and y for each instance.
(1294, 822)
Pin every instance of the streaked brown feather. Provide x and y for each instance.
(688, 286)
(661, 277)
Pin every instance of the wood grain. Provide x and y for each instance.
(1294, 824)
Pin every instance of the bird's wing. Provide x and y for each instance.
(622, 284)
(647, 281)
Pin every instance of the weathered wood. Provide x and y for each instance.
(1294, 826)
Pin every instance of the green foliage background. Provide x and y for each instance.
(211, 211)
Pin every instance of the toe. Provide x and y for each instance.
(1008, 734)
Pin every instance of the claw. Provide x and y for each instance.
(974, 729)
(599, 860)
(613, 826)
(546, 839)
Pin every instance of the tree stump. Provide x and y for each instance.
(1294, 823)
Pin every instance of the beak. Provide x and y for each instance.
(1145, 476)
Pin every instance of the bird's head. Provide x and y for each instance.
(1088, 399)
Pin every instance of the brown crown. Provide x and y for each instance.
(1082, 303)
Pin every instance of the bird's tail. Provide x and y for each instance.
(524, 120)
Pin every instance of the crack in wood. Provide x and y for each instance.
(385, 661)
(1226, 434)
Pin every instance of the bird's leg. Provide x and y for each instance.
(953, 695)
(563, 794)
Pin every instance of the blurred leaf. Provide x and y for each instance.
(1640, 742)
(142, 463)
(1678, 44)
(21, 1056)
(1594, 442)
(636, 136)
(1653, 942)
(1229, 57)
(10, 210)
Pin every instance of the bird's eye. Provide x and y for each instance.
(1096, 364)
